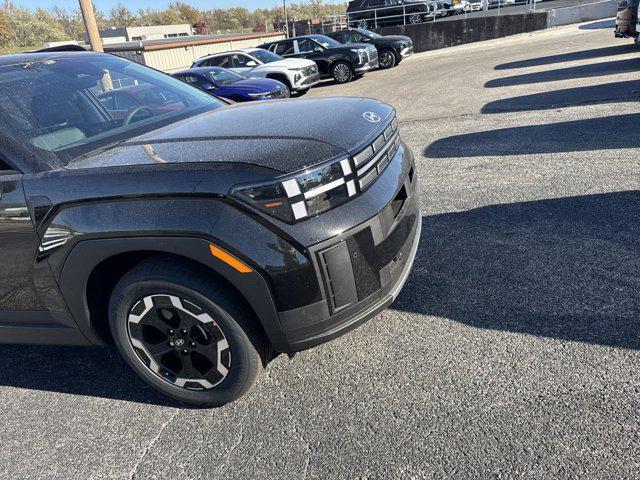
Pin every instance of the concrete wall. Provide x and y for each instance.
(582, 13)
(434, 35)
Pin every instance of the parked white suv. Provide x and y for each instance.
(297, 74)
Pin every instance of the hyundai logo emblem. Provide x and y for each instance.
(371, 117)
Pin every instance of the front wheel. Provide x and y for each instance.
(185, 335)
(387, 59)
(342, 72)
(416, 18)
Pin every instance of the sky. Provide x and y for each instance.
(133, 5)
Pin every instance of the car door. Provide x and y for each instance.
(312, 50)
(19, 244)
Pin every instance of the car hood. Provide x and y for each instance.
(290, 63)
(350, 45)
(391, 39)
(283, 135)
(253, 85)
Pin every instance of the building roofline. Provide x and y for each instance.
(141, 46)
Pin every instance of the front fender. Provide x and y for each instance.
(184, 227)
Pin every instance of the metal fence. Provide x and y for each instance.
(405, 14)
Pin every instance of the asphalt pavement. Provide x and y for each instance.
(513, 351)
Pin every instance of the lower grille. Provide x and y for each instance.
(372, 53)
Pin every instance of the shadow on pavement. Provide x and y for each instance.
(86, 371)
(615, 131)
(570, 57)
(599, 25)
(563, 268)
(580, 71)
(604, 93)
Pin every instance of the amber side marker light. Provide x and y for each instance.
(229, 259)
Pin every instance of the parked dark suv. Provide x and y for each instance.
(342, 62)
(384, 13)
(198, 239)
(391, 48)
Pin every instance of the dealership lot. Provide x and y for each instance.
(513, 350)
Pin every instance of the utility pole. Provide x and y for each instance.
(286, 21)
(89, 17)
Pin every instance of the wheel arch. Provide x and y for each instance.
(94, 267)
(281, 77)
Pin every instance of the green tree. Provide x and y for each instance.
(121, 17)
(70, 21)
(4, 30)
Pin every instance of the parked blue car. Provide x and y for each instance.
(225, 83)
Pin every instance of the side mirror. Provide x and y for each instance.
(317, 50)
(251, 63)
(208, 86)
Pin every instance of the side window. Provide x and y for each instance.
(306, 45)
(284, 48)
(352, 37)
(190, 79)
(240, 61)
(222, 61)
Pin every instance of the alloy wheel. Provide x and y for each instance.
(179, 342)
(415, 18)
(386, 59)
(342, 73)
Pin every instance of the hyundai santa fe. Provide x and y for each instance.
(203, 238)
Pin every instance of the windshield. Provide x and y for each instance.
(326, 42)
(64, 106)
(265, 56)
(222, 76)
(368, 33)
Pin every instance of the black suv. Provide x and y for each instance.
(384, 13)
(391, 48)
(342, 62)
(198, 237)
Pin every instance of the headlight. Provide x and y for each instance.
(301, 195)
(362, 54)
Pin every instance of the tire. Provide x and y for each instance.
(227, 349)
(300, 93)
(342, 72)
(387, 58)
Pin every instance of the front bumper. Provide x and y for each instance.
(361, 272)
(406, 52)
(307, 82)
(367, 66)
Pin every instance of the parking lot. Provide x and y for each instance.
(512, 352)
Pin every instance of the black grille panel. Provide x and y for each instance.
(372, 160)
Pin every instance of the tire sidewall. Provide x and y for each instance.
(243, 360)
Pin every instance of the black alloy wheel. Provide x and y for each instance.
(185, 333)
(387, 59)
(179, 342)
